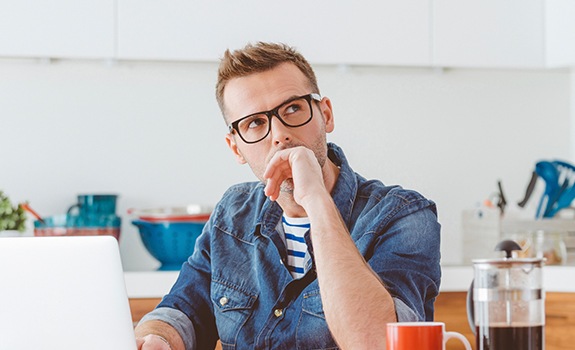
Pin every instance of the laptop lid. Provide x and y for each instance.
(63, 293)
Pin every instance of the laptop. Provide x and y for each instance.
(63, 293)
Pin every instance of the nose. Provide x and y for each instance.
(279, 132)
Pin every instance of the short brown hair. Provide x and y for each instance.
(257, 58)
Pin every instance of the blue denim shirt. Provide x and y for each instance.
(235, 286)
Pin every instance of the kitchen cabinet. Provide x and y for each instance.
(57, 28)
(384, 32)
(450, 307)
(418, 33)
(503, 33)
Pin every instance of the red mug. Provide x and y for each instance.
(420, 336)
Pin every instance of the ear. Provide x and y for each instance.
(327, 112)
(234, 147)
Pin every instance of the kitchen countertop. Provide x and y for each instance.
(555, 278)
(149, 284)
(155, 284)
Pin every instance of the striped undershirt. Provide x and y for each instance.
(295, 229)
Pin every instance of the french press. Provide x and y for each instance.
(506, 302)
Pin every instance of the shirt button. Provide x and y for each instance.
(223, 301)
(278, 312)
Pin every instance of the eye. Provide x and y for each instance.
(293, 107)
(254, 122)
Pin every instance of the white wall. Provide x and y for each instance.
(152, 133)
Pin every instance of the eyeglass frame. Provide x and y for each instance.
(233, 127)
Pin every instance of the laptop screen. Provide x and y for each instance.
(63, 293)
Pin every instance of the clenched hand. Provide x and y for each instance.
(299, 165)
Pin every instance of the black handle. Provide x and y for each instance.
(470, 309)
(507, 246)
(529, 190)
(502, 201)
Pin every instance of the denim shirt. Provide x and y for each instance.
(236, 287)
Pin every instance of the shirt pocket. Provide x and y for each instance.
(312, 330)
(232, 308)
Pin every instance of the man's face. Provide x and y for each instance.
(265, 91)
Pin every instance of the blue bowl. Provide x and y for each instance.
(171, 243)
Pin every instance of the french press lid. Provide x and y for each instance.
(508, 246)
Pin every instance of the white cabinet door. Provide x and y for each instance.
(325, 31)
(57, 28)
(503, 33)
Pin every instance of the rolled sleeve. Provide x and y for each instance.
(403, 312)
(407, 259)
(176, 319)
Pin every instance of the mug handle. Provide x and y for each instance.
(449, 335)
(72, 208)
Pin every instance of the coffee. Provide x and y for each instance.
(510, 338)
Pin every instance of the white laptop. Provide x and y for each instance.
(63, 293)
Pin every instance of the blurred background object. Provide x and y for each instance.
(12, 217)
(169, 233)
(96, 215)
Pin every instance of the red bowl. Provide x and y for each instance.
(190, 213)
(176, 218)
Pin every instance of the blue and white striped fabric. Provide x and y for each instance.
(295, 229)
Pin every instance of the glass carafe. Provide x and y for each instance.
(506, 304)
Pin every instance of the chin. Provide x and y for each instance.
(287, 186)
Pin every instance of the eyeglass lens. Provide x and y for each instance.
(293, 113)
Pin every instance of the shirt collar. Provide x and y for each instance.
(345, 190)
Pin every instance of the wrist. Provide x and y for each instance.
(317, 203)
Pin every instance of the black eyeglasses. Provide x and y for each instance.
(293, 113)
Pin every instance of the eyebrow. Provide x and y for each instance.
(284, 101)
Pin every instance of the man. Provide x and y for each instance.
(313, 256)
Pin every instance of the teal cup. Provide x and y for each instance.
(94, 205)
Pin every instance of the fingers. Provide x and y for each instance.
(277, 171)
(297, 164)
(272, 190)
(278, 163)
